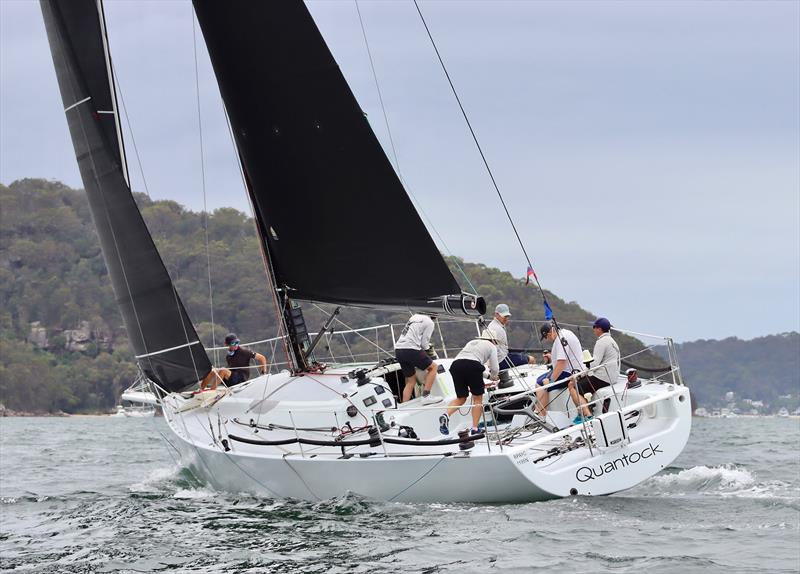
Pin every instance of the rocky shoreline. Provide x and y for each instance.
(5, 412)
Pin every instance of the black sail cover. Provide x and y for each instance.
(163, 338)
(337, 223)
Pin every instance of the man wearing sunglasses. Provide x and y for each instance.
(238, 359)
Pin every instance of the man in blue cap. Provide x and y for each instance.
(607, 358)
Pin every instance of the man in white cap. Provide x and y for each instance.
(497, 329)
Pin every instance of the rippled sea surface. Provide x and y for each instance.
(103, 495)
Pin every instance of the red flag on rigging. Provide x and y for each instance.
(531, 273)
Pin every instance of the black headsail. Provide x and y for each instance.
(335, 222)
(163, 338)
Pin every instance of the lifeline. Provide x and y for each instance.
(585, 473)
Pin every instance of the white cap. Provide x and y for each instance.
(502, 310)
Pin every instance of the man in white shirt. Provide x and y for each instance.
(567, 356)
(410, 352)
(467, 372)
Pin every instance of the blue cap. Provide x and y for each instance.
(602, 323)
(503, 310)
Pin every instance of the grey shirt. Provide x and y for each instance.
(498, 330)
(606, 352)
(482, 351)
(416, 334)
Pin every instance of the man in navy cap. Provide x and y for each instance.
(238, 359)
(607, 358)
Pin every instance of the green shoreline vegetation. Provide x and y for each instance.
(63, 347)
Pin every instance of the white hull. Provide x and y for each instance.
(515, 472)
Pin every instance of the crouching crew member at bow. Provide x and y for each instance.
(238, 359)
(467, 372)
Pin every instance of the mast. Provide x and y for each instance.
(288, 312)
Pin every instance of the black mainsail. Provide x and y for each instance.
(335, 222)
(163, 338)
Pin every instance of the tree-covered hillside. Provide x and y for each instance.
(62, 342)
(765, 369)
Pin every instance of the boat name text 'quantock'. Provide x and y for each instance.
(585, 473)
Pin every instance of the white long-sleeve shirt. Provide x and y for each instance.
(482, 351)
(606, 352)
(498, 330)
(416, 334)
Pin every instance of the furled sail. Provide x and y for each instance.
(163, 338)
(336, 223)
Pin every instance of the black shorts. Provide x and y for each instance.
(410, 359)
(590, 384)
(237, 377)
(467, 377)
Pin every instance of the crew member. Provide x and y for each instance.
(410, 351)
(497, 329)
(238, 359)
(607, 358)
(467, 372)
(566, 358)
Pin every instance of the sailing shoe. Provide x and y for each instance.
(444, 424)
(581, 419)
(482, 426)
(475, 430)
(431, 399)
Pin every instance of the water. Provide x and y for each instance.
(103, 495)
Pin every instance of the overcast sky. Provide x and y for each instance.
(649, 151)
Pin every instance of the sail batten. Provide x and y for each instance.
(152, 311)
(334, 218)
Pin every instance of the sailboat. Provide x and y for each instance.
(137, 401)
(328, 208)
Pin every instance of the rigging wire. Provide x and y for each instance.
(203, 178)
(472, 132)
(427, 219)
(380, 349)
(559, 338)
